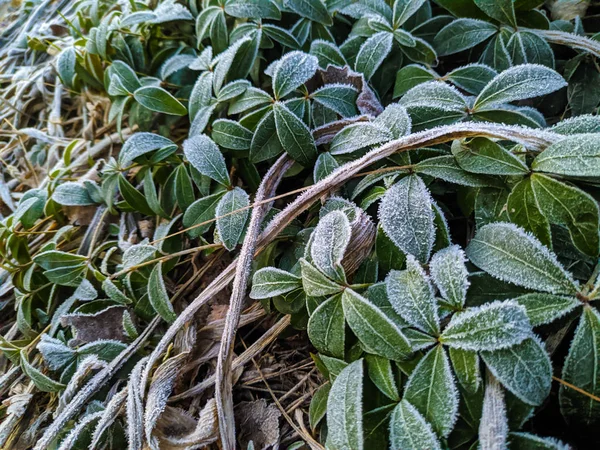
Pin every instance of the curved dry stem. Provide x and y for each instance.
(223, 394)
(571, 40)
(530, 138)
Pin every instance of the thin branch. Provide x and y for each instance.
(571, 40)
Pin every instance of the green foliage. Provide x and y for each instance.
(137, 136)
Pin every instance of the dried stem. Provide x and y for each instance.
(571, 40)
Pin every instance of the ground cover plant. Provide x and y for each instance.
(324, 224)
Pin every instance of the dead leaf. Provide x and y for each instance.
(258, 422)
(106, 324)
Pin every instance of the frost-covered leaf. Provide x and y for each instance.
(395, 119)
(376, 332)
(436, 94)
(324, 166)
(581, 370)
(295, 137)
(258, 9)
(546, 308)
(373, 52)
(344, 409)
(472, 77)
(501, 10)
(329, 242)
(510, 254)
(327, 53)
(411, 294)
(571, 207)
(340, 98)
(270, 282)
(432, 391)
(232, 214)
(314, 10)
(524, 369)
(139, 144)
(447, 169)
(55, 353)
(484, 156)
(528, 441)
(293, 70)
(577, 125)
(158, 296)
(466, 368)
(158, 99)
(315, 283)
(448, 271)
(202, 211)
(326, 327)
(204, 155)
(462, 34)
(524, 209)
(41, 381)
(519, 83)
(577, 156)
(410, 76)
(491, 326)
(407, 217)
(404, 9)
(72, 193)
(380, 373)
(231, 135)
(357, 136)
(410, 431)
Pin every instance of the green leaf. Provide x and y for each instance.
(450, 275)
(492, 326)
(184, 189)
(519, 83)
(410, 431)
(344, 409)
(329, 242)
(251, 98)
(114, 293)
(270, 282)
(528, 441)
(41, 381)
(484, 156)
(546, 308)
(257, 9)
(410, 76)
(72, 194)
(411, 294)
(140, 144)
(569, 206)
(435, 94)
(281, 35)
(524, 369)
(462, 34)
(157, 99)
(577, 125)
(326, 327)
(357, 136)
(133, 197)
(315, 283)
(576, 156)
(295, 137)
(376, 332)
(524, 210)
(447, 169)
(472, 77)
(372, 53)
(432, 391)
(501, 10)
(581, 370)
(202, 210)
(406, 216)
(225, 63)
(466, 368)
(324, 166)
(265, 143)
(232, 214)
(318, 405)
(158, 296)
(204, 155)
(341, 98)
(510, 254)
(404, 9)
(314, 10)
(230, 134)
(395, 119)
(380, 373)
(327, 53)
(293, 70)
